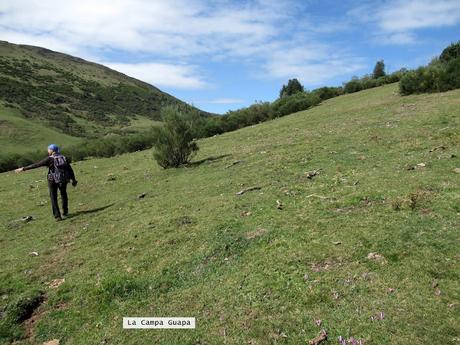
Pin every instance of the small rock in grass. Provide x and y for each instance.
(52, 342)
(56, 283)
(279, 205)
(376, 257)
(33, 254)
(27, 219)
(457, 170)
(319, 339)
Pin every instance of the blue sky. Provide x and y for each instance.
(223, 55)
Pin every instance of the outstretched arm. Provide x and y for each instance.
(42, 163)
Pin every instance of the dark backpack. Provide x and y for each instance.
(61, 170)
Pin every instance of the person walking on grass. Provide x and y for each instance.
(60, 173)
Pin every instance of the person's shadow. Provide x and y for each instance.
(94, 210)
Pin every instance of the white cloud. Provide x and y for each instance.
(161, 74)
(397, 21)
(403, 16)
(263, 33)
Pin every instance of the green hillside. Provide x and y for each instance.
(355, 223)
(74, 96)
(18, 134)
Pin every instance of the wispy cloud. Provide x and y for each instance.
(397, 21)
(161, 74)
(260, 31)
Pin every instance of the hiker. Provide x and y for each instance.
(59, 174)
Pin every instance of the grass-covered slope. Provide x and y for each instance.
(74, 96)
(369, 246)
(19, 135)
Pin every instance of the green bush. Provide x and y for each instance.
(174, 141)
(452, 52)
(354, 85)
(440, 75)
(436, 77)
(328, 92)
(297, 102)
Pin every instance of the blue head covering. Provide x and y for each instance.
(53, 147)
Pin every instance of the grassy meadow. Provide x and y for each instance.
(356, 223)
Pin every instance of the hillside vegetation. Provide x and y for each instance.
(74, 96)
(353, 220)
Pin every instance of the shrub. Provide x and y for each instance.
(450, 53)
(297, 102)
(354, 85)
(174, 141)
(328, 92)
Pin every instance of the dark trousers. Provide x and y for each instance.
(53, 187)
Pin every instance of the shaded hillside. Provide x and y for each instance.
(75, 96)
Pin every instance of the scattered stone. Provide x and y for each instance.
(319, 339)
(313, 173)
(33, 254)
(391, 290)
(316, 196)
(442, 147)
(417, 166)
(318, 322)
(129, 270)
(250, 189)
(245, 213)
(451, 305)
(376, 257)
(52, 342)
(305, 277)
(56, 283)
(256, 233)
(111, 177)
(434, 284)
(26, 219)
(336, 243)
(437, 292)
(279, 205)
(141, 196)
(457, 170)
(335, 295)
(351, 340)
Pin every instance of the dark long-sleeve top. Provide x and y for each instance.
(48, 162)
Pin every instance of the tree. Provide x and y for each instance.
(450, 53)
(293, 86)
(379, 70)
(174, 140)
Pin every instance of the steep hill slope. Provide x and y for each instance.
(356, 223)
(74, 96)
